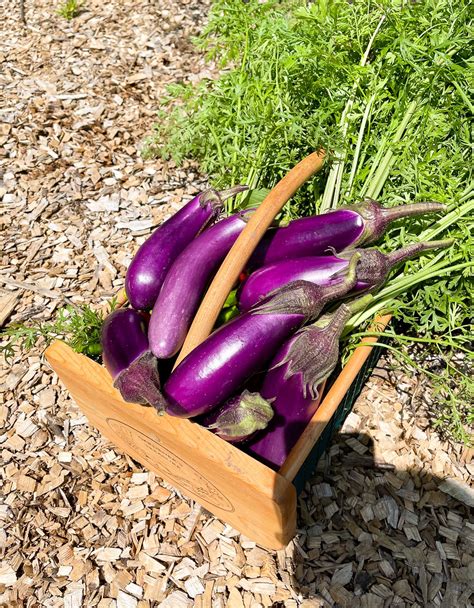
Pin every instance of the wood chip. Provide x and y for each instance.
(459, 490)
(108, 554)
(126, 601)
(342, 576)
(8, 302)
(7, 575)
(193, 586)
(177, 599)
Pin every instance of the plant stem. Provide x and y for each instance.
(403, 283)
(333, 185)
(383, 169)
(360, 138)
(447, 220)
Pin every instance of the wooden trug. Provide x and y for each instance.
(232, 485)
(238, 489)
(250, 496)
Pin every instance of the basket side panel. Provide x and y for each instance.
(324, 415)
(345, 407)
(233, 486)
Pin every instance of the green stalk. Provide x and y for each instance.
(217, 142)
(333, 185)
(360, 138)
(447, 220)
(410, 339)
(464, 97)
(375, 163)
(383, 169)
(403, 283)
(239, 102)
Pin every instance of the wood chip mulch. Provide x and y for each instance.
(386, 519)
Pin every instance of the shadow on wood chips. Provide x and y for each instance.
(373, 536)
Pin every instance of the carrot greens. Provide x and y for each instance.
(79, 326)
(383, 88)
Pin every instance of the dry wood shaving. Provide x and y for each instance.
(385, 520)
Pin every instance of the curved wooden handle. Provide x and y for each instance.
(243, 248)
(121, 298)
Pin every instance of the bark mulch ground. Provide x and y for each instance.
(385, 520)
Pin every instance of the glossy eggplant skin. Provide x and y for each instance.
(219, 366)
(309, 236)
(124, 339)
(127, 357)
(152, 261)
(185, 283)
(352, 226)
(292, 412)
(372, 270)
(316, 269)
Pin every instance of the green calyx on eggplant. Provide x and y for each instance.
(240, 417)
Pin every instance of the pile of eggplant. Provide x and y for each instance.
(254, 381)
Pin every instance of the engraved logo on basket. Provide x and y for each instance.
(174, 467)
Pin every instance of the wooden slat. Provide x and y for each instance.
(243, 248)
(326, 410)
(243, 492)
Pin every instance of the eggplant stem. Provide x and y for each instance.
(377, 218)
(390, 214)
(340, 288)
(216, 199)
(339, 319)
(394, 257)
(230, 192)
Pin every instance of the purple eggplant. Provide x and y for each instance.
(185, 283)
(291, 384)
(148, 268)
(220, 365)
(336, 230)
(372, 270)
(128, 359)
(239, 418)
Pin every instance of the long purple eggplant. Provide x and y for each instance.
(353, 226)
(372, 270)
(220, 365)
(128, 359)
(148, 268)
(185, 283)
(239, 418)
(291, 384)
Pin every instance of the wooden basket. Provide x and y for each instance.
(248, 495)
(232, 485)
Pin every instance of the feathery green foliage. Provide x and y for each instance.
(70, 9)
(383, 88)
(79, 326)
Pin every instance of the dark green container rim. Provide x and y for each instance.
(339, 416)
